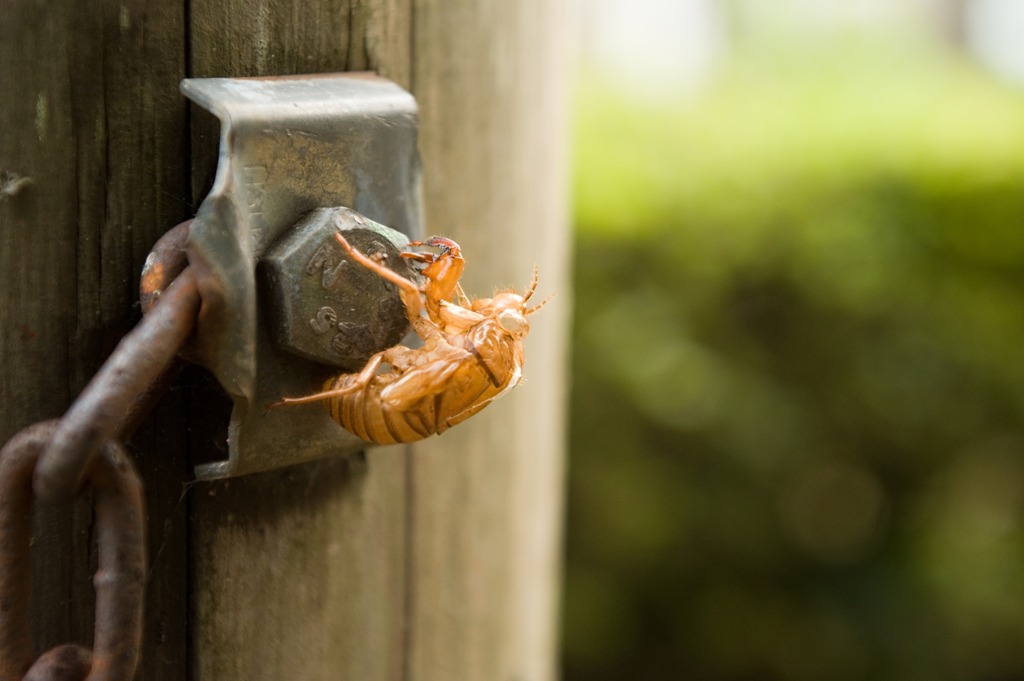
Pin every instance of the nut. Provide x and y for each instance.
(322, 305)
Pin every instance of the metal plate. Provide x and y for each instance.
(288, 145)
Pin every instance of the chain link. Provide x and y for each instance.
(119, 580)
(55, 461)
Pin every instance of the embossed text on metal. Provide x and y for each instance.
(288, 146)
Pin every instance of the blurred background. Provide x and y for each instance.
(797, 436)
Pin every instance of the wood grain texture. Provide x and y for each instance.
(491, 78)
(279, 37)
(299, 573)
(91, 173)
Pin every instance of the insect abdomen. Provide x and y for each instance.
(363, 415)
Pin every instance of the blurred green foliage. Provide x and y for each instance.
(797, 436)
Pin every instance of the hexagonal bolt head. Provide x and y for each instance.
(322, 305)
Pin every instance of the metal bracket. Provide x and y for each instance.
(288, 146)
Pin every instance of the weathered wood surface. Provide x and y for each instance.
(91, 173)
(437, 561)
(491, 80)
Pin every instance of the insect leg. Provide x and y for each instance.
(464, 300)
(410, 291)
(315, 397)
(442, 271)
(355, 383)
(419, 257)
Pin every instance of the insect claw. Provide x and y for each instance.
(447, 246)
(443, 242)
(421, 257)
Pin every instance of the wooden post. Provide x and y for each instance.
(435, 561)
(93, 170)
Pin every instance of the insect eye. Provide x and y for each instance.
(512, 321)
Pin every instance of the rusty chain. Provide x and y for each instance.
(55, 461)
(119, 579)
